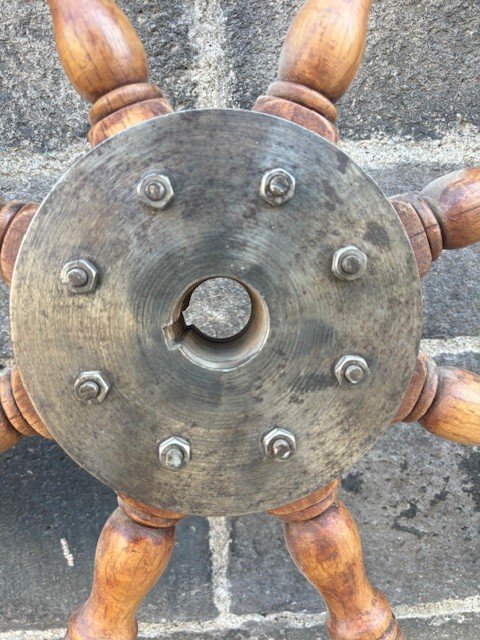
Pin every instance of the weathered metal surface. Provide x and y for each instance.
(167, 381)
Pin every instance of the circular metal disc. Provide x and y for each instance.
(167, 380)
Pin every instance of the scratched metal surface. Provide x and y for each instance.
(217, 225)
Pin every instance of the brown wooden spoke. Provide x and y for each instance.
(106, 63)
(445, 215)
(132, 553)
(18, 417)
(324, 543)
(446, 401)
(21, 419)
(9, 436)
(15, 217)
(319, 59)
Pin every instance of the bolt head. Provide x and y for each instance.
(349, 263)
(80, 276)
(91, 387)
(351, 371)
(277, 187)
(174, 453)
(156, 191)
(279, 444)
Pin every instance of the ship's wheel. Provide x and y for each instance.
(179, 421)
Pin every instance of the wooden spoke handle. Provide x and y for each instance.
(319, 59)
(132, 553)
(15, 218)
(18, 417)
(445, 215)
(446, 401)
(324, 543)
(106, 63)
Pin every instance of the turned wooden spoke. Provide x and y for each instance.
(445, 215)
(446, 401)
(15, 218)
(106, 63)
(320, 57)
(9, 436)
(18, 417)
(324, 543)
(132, 553)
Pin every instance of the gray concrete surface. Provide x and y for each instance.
(412, 115)
(419, 77)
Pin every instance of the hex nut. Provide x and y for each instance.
(91, 387)
(80, 276)
(156, 191)
(277, 187)
(279, 444)
(174, 453)
(349, 263)
(351, 371)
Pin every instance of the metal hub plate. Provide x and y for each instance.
(167, 381)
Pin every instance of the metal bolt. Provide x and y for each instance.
(174, 453)
(279, 444)
(352, 370)
(354, 374)
(80, 276)
(156, 191)
(277, 187)
(349, 263)
(91, 387)
(281, 449)
(88, 391)
(174, 458)
(77, 277)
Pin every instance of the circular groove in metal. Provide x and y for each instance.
(218, 225)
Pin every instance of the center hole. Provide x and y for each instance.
(218, 324)
(219, 309)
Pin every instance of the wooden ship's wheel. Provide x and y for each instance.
(181, 423)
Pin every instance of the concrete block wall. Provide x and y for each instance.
(411, 116)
